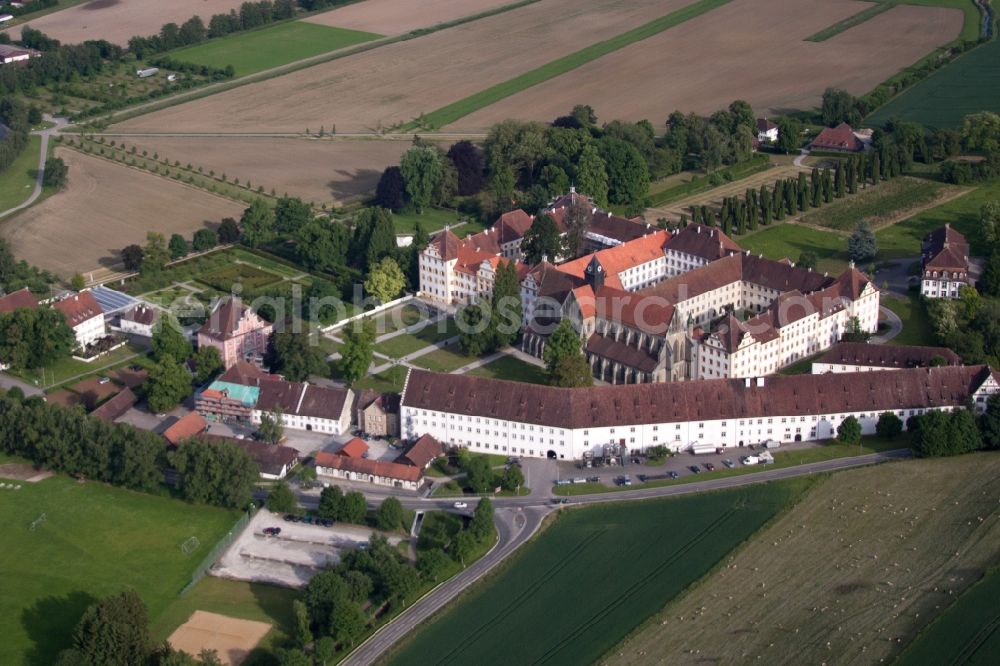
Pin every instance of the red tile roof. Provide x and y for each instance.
(79, 308)
(22, 298)
(141, 314)
(421, 453)
(887, 356)
(116, 406)
(355, 448)
(246, 374)
(763, 125)
(635, 404)
(840, 137)
(512, 226)
(224, 322)
(620, 258)
(700, 241)
(627, 355)
(185, 427)
(365, 466)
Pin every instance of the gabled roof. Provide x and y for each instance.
(840, 137)
(446, 244)
(246, 374)
(620, 258)
(627, 355)
(185, 427)
(366, 466)
(887, 356)
(421, 453)
(512, 226)
(79, 308)
(22, 298)
(765, 125)
(224, 322)
(697, 400)
(355, 448)
(116, 406)
(701, 241)
(302, 399)
(141, 314)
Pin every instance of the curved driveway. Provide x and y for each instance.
(512, 536)
(40, 173)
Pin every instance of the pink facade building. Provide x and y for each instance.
(236, 331)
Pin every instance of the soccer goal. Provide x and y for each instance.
(36, 522)
(190, 545)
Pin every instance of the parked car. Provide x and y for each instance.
(626, 480)
(695, 469)
(593, 479)
(272, 531)
(643, 477)
(560, 500)
(729, 463)
(461, 505)
(103, 380)
(673, 474)
(710, 467)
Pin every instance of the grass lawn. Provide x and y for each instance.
(463, 107)
(66, 368)
(432, 219)
(272, 46)
(390, 381)
(594, 575)
(876, 204)
(249, 276)
(514, 369)
(790, 240)
(828, 451)
(916, 324)
(264, 262)
(95, 541)
(446, 359)
(407, 343)
(18, 180)
(404, 317)
(965, 634)
(247, 601)
(672, 188)
(903, 239)
(970, 84)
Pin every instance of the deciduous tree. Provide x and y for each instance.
(541, 240)
(257, 222)
(114, 631)
(572, 371)
(294, 355)
(389, 515)
(169, 341)
(385, 281)
(563, 342)
(391, 190)
(281, 499)
(207, 364)
(849, 431)
(178, 246)
(167, 385)
(356, 353)
(889, 426)
(422, 174)
(203, 239)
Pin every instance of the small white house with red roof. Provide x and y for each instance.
(85, 316)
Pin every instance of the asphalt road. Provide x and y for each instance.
(512, 536)
(40, 172)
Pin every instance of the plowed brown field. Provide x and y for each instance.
(394, 17)
(118, 20)
(748, 49)
(105, 207)
(397, 82)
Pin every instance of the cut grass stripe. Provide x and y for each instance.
(463, 107)
(850, 22)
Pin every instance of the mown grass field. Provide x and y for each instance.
(463, 107)
(964, 635)
(968, 85)
(273, 46)
(878, 205)
(781, 240)
(916, 323)
(95, 541)
(18, 180)
(592, 576)
(432, 219)
(513, 369)
(850, 575)
(407, 343)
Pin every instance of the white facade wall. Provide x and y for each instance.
(436, 277)
(89, 331)
(824, 368)
(644, 275)
(941, 287)
(678, 263)
(358, 477)
(135, 328)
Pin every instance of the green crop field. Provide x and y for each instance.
(463, 107)
(273, 46)
(967, 634)
(968, 85)
(903, 239)
(593, 576)
(18, 180)
(880, 204)
(95, 540)
(790, 240)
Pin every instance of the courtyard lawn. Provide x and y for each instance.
(18, 180)
(398, 318)
(916, 323)
(95, 540)
(407, 343)
(903, 239)
(432, 219)
(446, 359)
(593, 576)
(246, 601)
(514, 369)
(272, 46)
(390, 381)
(790, 240)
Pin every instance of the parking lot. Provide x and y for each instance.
(292, 557)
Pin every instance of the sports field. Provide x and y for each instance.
(966, 634)
(273, 46)
(94, 541)
(850, 575)
(968, 85)
(593, 576)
